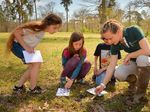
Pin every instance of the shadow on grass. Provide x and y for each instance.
(116, 103)
(10, 102)
(25, 101)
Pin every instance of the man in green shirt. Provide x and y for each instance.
(136, 64)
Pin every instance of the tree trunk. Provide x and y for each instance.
(129, 15)
(67, 21)
(102, 11)
(82, 24)
(103, 18)
(21, 9)
(35, 9)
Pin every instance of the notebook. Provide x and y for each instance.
(92, 91)
(33, 57)
(62, 92)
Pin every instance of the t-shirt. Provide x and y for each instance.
(103, 50)
(32, 38)
(131, 35)
(66, 55)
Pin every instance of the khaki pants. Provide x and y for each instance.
(123, 71)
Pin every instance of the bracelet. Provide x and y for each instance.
(104, 86)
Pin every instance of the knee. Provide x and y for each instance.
(38, 65)
(142, 61)
(73, 61)
(88, 64)
(119, 75)
(76, 58)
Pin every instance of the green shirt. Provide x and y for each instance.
(131, 35)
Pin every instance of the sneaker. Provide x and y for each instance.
(36, 90)
(94, 78)
(21, 89)
(62, 84)
(81, 81)
(62, 81)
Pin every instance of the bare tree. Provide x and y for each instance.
(35, 7)
(104, 8)
(141, 3)
(81, 15)
(48, 8)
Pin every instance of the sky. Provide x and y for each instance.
(76, 5)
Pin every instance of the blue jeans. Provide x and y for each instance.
(100, 77)
(71, 66)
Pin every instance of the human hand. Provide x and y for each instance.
(99, 89)
(68, 84)
(29, 49)
(76, 55)
(95, 71)
(126, 60)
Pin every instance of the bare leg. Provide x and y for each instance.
(25, 76)
(34, 74)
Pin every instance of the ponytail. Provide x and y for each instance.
(36, 26)
(111, 25)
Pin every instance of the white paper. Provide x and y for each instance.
(92, 91)
(63, 92)
(33, 57)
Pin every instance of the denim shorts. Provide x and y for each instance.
(17, 50)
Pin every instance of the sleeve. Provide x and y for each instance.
(119, 55)
(138, 33)
(27, 31)
(114, 50)
(97, 50)
(64, 61)
(65, 56)
(84, 53)
(78, 68)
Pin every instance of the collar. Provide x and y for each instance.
(124, 37)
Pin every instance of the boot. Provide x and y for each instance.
(142, 83)
(131, 79)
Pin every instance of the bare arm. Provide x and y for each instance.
(95, 65)
(111, 68)
(145, 50)
(102, 69)
(18, 33)
(109, 73)
(97, 71)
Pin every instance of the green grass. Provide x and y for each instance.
(51, 48)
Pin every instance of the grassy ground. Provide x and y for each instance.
(79, 100)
